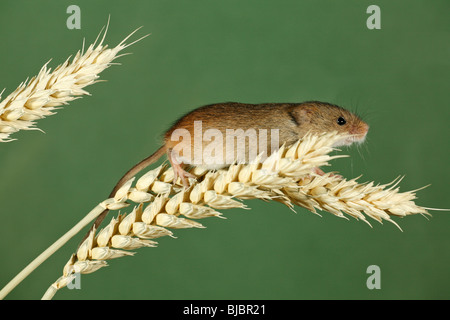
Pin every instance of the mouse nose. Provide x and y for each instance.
(364, 128)
(360, 130)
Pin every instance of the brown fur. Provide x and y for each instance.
(293, 120)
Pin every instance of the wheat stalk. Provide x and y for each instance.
(40, 96)
(286, 176)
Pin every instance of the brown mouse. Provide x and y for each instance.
(286, 123)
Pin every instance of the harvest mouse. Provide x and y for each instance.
(286, 122)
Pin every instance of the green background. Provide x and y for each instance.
(202, 52)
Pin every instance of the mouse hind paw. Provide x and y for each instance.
(179, 172)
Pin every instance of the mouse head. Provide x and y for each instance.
(321, 117)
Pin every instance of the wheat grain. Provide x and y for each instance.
(40, 96)
(286, 176)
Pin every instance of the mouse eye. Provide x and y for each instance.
(341, 121)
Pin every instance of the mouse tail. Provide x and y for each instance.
(127, 176)
(138, 168)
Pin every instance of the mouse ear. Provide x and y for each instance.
(302, 114)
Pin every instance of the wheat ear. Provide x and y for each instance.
(286, 176)
(40, 96)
